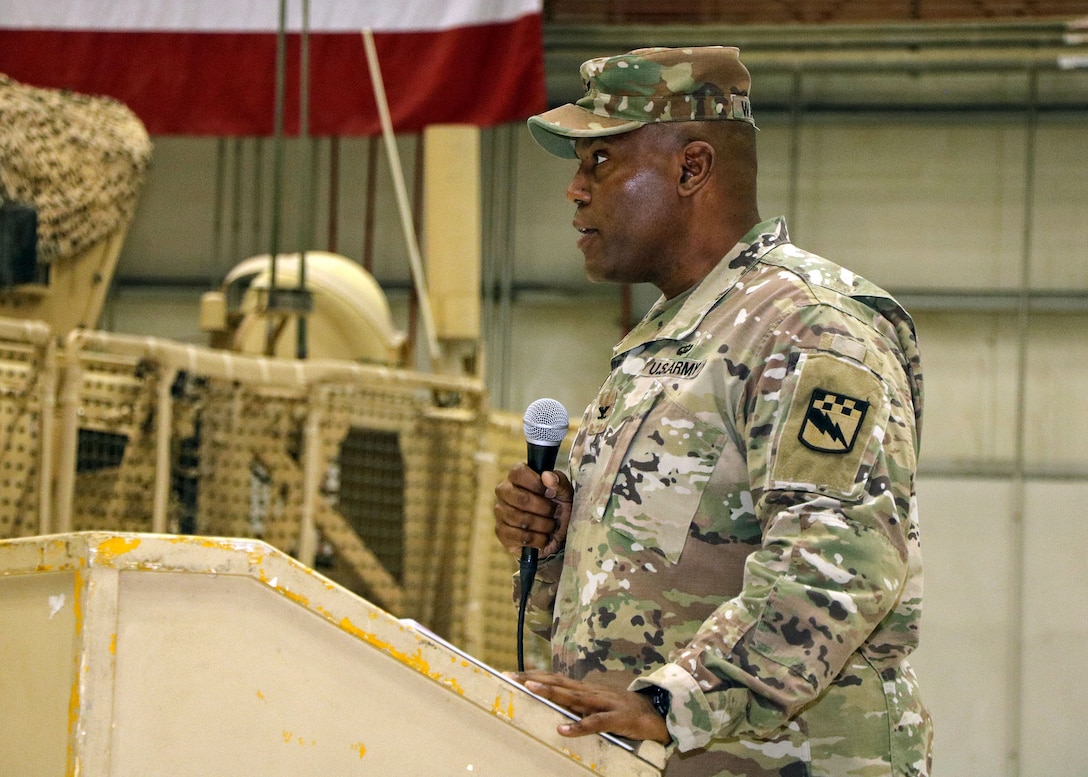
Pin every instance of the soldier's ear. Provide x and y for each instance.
(695, 166)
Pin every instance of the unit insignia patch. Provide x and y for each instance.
(832, 422)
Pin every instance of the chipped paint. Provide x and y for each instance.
(416, 661)
(108, 550)
(203, 542)
(73, 720)
(56, 604)
(497, 707)
(273, 582)
(74, 699)
(289, 738)
(294, 597)
(576, 757)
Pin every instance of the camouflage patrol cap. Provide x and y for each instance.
(645, 86)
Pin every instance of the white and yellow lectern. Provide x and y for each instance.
(125, 655)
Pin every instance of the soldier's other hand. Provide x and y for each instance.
(533, 510)
(603, 710)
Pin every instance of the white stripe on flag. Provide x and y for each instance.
(258, 15)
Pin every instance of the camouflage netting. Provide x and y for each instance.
(26, 391)
(394, 471)
(80, 160)
(397, 467)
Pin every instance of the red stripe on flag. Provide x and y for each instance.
(224, 83)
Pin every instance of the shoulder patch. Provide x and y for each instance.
(831, 414)
(832, 421)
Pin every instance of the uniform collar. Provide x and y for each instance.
(677, 318)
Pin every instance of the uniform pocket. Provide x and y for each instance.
(662, 460)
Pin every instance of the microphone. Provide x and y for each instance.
(545, 424)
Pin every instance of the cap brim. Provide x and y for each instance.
(556, 130)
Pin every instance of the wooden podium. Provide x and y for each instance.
(134, 654)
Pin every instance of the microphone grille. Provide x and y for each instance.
(546, 422)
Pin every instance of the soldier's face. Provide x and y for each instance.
(625, 193)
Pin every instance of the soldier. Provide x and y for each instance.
(732, 566)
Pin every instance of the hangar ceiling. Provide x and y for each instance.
(871, 53)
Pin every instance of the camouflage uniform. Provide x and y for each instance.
(744, 531)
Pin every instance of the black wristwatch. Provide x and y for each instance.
(659, 698)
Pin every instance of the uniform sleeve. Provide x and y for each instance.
(541, 605)
(830, 441)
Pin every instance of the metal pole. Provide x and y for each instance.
(216, 258)
(306, 209)
(236, 205)
(277, 161)
(164, 415)
(415, 260)
(257, 221)
(333, 235)
(509, 261)
(46, 438)
(369, 205)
